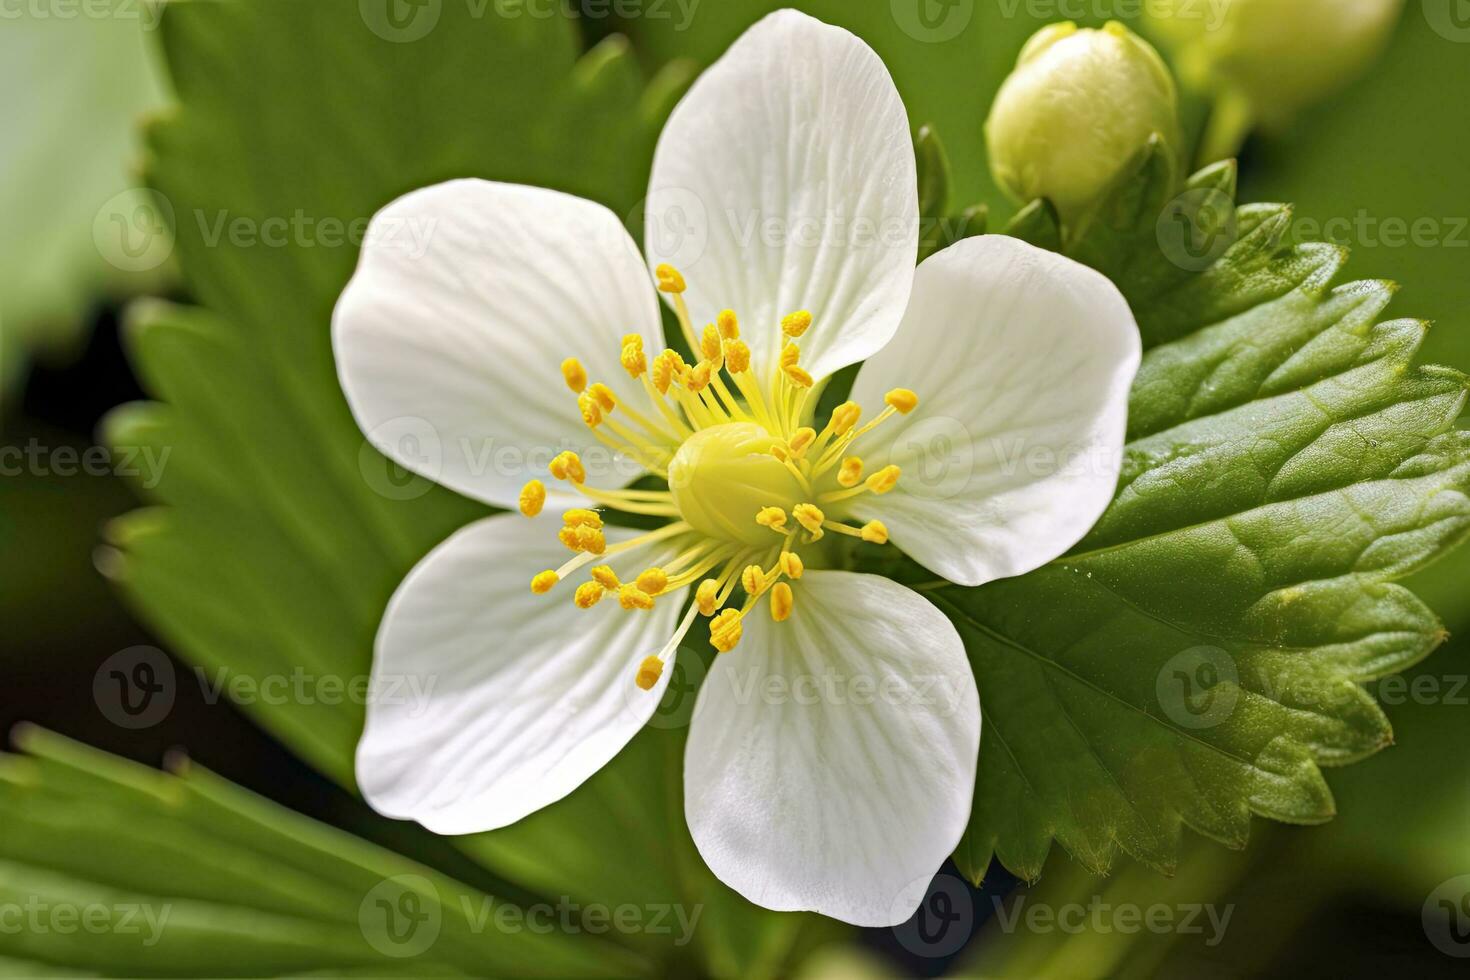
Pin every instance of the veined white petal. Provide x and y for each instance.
(450, 336)
(831, 758)
(785, 180)
(495, 702)
(1022, 360)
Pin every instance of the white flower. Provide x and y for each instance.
(832, 755)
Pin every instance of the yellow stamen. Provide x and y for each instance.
(588, 595)
(604, 576)
(632, 357)
(884, 480)
(704, 596)
(874, 532)
(710, 345)
(653, 581)
(544, 581)
(604, 396)
(753, 580)
(696, 379)
(577, 517)
(801, 441)
(790, 356)
(725, 630)
(666, 367)
(568, 466)
(591, 411)
(729, 325)
(632, 597)
(649, 672)
(568, 537)
(574, 374)
(796, 324)
(799, 377)
(810, 517)
(781, 602)
(771, 517)
(844, 417)
(533, 498)
(791, 564)
(902, 399)
(590, 540)
(737, 356)
(670, 280)
(851, 472)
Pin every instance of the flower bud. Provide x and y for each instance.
(1078, 107)
(1277, 58)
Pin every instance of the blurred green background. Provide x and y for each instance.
(1347, 899)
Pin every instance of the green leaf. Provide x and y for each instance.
(279, 534)
(192, 875)
(1202, 653)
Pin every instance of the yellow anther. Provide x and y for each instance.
(649, 672)
(666, 367)
(590, 540)
(696, 379)
(653, 581)
(809, 516)
(603, 396)
(902, 399)
(851, 472)
(884, 480)
(796, 324)
(875, 532)
(577, 517)
(729, 325)
(533, 498)
(670, 280)
(725, 630)
(801, 440)
(574, 373)
(790, 356)
(633, 340)
(753, 580)
(791, 564)
(799, 377)
(779, 451)
(781, 602)
(710, 345)
(567, 466)
(544, 581)
(568, 537)
(588, 595)
(771, 517)
(737, 356)
(633, 359)
(844, 417)
(590, 409)
(604, 576)
(632, 597)
(706, 596)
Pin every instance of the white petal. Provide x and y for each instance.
(785, 180)
(831, 759)
(491, 702)
(1022, 360)
(450, 336)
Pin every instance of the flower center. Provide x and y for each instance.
(750, 481)
(723, 476)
